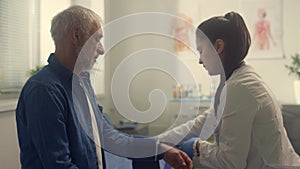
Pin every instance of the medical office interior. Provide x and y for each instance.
(26, 43)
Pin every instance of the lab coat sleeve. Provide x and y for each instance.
(234, 134)
(184, 131)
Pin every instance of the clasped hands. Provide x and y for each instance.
(180, 159)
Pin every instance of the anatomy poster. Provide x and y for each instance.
(182, 29)
(184, 24)
(264, 21)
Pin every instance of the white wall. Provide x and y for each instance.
(147, 80)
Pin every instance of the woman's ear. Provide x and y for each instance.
(219, 46)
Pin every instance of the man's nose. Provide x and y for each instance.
(100, 49)
(200, 61)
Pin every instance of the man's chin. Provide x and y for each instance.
(85, 68)
(90, 67)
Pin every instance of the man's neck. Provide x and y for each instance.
(66, 58)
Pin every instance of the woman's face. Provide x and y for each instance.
(209, 57)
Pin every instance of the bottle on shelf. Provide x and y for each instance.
(186, 91)
(174, 92)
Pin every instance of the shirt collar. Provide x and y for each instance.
(59, 68)
(85, 76)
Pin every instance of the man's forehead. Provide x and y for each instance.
(98, 34)
(97, 31)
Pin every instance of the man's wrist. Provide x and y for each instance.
(160, 150)
(196, 147)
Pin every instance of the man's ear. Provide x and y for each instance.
(74, 34)
(219, 46)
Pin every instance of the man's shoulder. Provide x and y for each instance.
(44, 79)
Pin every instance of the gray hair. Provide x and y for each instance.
(63, 22)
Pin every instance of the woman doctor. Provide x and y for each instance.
(249, 131)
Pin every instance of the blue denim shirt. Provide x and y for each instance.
(54, 130)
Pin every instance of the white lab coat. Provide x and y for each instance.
(250, 134)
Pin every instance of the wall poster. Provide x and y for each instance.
(264, 21)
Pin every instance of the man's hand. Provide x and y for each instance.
(188, 146)
(176, 158)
